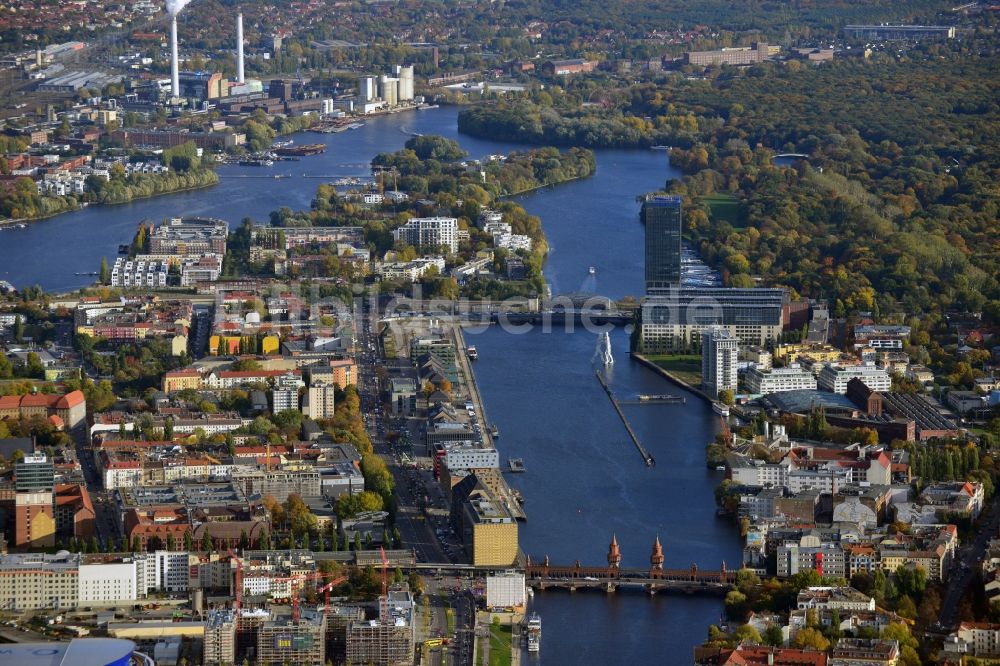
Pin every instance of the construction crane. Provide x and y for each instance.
(326, 592)
(239, 585)
(296, 581)
(383, 608)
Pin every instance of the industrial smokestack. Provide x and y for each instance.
(175, 79)
(239, 48)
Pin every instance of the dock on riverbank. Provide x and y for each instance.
(675, 379)
(507, 495)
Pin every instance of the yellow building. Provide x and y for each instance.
(817, 353)
(268, 345)
(487, 525)
(178, 380)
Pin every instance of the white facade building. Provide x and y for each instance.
(505, 590)
(465, 456)
(431, 232)
(835, 377)
(110, 582)
(776, 380)
(163, 570)
(128, 273)
(719, 351)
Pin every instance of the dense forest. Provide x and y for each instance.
(895, 209)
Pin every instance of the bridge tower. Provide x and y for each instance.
(656, 559)
(614, 553)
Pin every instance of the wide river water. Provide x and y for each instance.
(584, 480)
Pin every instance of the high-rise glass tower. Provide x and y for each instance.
(662, 217)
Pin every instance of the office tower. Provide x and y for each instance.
(662, 217)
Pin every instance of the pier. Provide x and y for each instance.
(646, 457)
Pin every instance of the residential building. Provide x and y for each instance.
(741, 55)
(834, 377)
(190, 237)
(437, 347)
(974, 639)
(719, 351)
(746, 654)
(429, 232)
(128, 273)
(33, 581)
(776, 380)
(664, 227)
(345, 372)
(864, 652)
(811, 553)
(110, 581)
(319, 401)
(161, 571)
(206, 268)
(834, 598)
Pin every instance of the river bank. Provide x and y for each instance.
(663, 372)
(8, 222)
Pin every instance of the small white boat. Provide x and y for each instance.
(592, 270)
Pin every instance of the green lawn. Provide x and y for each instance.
(724, 207)
(686, 367)
(500, 646)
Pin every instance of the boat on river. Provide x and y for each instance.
(534, 633)
(720, 409)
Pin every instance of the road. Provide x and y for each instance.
(963, 571)
(415, 488)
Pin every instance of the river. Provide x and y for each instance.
(584, 479)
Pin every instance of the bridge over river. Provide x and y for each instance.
(612, 577)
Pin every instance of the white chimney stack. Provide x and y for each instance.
(175, 81)
(239, 48)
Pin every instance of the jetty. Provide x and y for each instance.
(646, 456)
